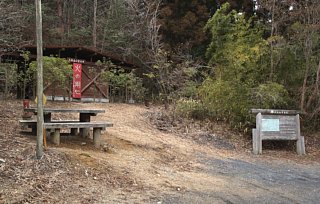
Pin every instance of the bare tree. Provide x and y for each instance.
(276, 16)
(11, 24)
(309, 15)
(142, 31)
(94, 30)
(299, 23)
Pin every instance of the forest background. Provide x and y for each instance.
(209, 59)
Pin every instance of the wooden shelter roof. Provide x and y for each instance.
(77, 52)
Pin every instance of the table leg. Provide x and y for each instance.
(46, 118)
(56, 137)
(84, 132)
(96, 137)
(74, 131)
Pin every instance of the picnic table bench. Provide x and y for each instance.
(274, 124)
(32, 123)
(84, 123)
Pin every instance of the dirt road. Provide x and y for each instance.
(141, 164)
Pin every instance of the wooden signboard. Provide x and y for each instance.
(86, 84)
(276, 125)
(77, 78)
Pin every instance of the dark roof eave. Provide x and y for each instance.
(111, 56)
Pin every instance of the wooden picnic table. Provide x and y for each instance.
(84, 114)
(83, 123)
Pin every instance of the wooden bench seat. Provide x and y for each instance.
(34, 121)
(96, 125)
(30, 124)
(33, 124)
(77, 124)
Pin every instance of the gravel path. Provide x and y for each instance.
(258, 182)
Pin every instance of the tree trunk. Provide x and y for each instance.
(306, 74)
(315, 93)
(60, 15)
(94, 31)
(39, 148)
(307, 54)
(271, 45)
(6, 83)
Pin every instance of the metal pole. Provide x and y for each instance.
(39, 148)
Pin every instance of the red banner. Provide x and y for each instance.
(77, 71)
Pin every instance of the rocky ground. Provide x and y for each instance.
(146, 159)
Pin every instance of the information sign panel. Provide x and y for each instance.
(270, 125)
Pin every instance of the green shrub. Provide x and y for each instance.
(229, 102)
(270, 95)
(192, 109)
(189, 90)
(54, 70)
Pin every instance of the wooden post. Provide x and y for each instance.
(255, 141)
(96, 137)
(300, 146)
(39, 147)
(258, 130)
(56, 137)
